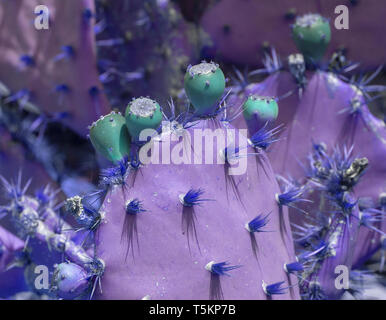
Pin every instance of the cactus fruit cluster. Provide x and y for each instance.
(126, 173)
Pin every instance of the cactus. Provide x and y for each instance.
(13, 157)
(257, 111)
(347, 121)
(42, 118)
(168, 207)
(65, 69)
(11, 280)
(110, 131)
(325, 111)
(312, 35)
(204, 86)
(40, 225)
(42, 146)
(294, 192)
(241, 30)
(336, 231)
(143, 48)
(69, 280)
(142, 113)
(9, 244)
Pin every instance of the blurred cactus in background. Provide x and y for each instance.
(248, 27)
(55, 68)
(143, 47)
(325, 111)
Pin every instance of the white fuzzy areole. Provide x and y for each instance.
(261, 98)
(209, 266)
(264, 285)
(296, 58)
(203, 68)
(143, 107)
(308, 20)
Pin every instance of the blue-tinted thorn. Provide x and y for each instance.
(87, 15)
(22, 95)
(291, 194)
(257, 224)
(369, 217)
(67, 52)
(58, 116)
(99, 27)
(135, 164)
(93, 91)
(192, 198)
(320, 250)
(293, 267)
(263, 138)
(110, 42)
(273, 289)
(63, 88)
(115, 175)
(134, 207)
(27, 60)
(105, 77)
(220, 269)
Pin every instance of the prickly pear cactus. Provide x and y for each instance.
(335, 113)
(9, 244)
(312, 34)
(54, 68)
(165, 220)
(143, 47)
(168, 235)
(259, 110)
(343, 232)
(11, 280)
(243, 26)
(48, 238)
(249, 191)
(109, 136)
(332, 147)
(13, 158)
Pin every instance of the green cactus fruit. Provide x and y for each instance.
(142, 113)
(264, 108)
(110, 137)
(204, 86)
(312, 34)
